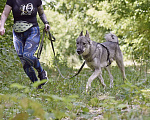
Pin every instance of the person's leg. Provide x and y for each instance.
(19, 42)
(31, 45)
(32, 42)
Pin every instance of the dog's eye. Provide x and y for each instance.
(84, 43)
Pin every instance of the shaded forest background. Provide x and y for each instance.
(67, 99)
(128, 19)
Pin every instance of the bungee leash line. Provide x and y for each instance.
(52, 39)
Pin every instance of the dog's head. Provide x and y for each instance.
(83, 44)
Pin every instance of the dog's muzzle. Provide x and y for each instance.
(79, 51)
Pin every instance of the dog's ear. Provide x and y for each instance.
(87, 34)
(88, 37)
(81, 34)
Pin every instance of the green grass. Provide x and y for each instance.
(66, 98)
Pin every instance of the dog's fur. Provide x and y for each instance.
(100, 55)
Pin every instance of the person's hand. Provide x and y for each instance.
(2, 30)
(47, 27)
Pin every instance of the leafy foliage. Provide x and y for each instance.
(66, 99)
(129, 19)
(135, 25)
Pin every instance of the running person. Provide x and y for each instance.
(26, 34)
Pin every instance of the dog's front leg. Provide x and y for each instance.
(92, 77)
(102, 80)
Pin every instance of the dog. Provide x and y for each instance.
(100, 55)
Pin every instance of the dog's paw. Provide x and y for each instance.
(111, 86)
(104, 85)
(87, 87)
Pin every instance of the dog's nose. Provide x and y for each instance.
(79, 51)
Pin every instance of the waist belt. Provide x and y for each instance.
(22, 26)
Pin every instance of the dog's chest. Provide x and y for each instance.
(92, 65)
(96, 64)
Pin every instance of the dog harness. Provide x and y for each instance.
(92, 57)
(109, 62)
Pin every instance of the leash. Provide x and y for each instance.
(52, 39)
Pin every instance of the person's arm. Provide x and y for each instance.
(43, 17)
(4, 17)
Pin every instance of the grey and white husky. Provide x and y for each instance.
(100, 55)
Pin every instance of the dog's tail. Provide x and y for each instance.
(111, 37)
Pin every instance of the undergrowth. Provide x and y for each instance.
(67, 99)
